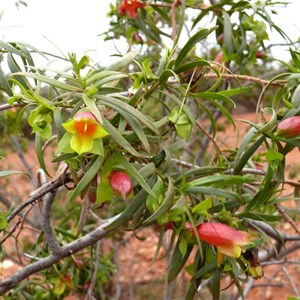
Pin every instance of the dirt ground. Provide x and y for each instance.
(138, 279)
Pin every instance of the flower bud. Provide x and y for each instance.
(120, 183)
(260, 54)
(166, 226)
(289, 127)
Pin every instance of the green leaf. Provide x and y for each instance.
(14, 68)
(64, 144)
(118, 138)
(202, 207)
(48, 80)
(165, 205)
(199, 62)
(95, 77)
(273, 155)
(123, 62)
(3, 222)
(227, 32)
(40, 154)
(183, 246)
(242, 161)
(12, 172)
(136, 127)
(206, 269)
(110, 81)
(152, 203)
(113, 103)
(10, 48)
(222, 193)
(92, 170)
(261, 217)
(220, 180)
(4, 83)
(178, 261)
(91, 105)
(216, 281)
(200, 171)
(196, 38)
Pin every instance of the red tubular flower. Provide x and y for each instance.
(228, 240)
(289, 127)
(120, 183)
(130, 7)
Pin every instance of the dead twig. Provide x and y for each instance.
(281, 210)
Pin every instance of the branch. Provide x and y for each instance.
(245, 78)
(281, 210)
(44, 263)
(271, 232)
(7, 106)
(49, 235)
(52, 185)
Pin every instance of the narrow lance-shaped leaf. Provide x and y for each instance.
(196, 38)
(166, 204)
(118, 138)
(123, 62)
(88, 176)
(12, 172)
(178, 261)
(48, 80)
(39, 153)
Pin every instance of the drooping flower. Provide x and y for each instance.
(130, 8)
(289, 127)
(85, 128)
(229, 241)
(120, 183)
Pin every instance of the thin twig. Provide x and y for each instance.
(271, 232)
(245, 78)
(19, 232)
(287, 274)
(7, 106)
(96, 268)
(173, 18)
(43, 263)
(281, 210)
(11, 231)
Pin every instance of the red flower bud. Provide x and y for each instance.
(87, 285)
(260, 54)
(120, 183)
(219, 57)
(78, 262)
(137, 38)
(220, 39)
(167, 226)
(289, 127)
